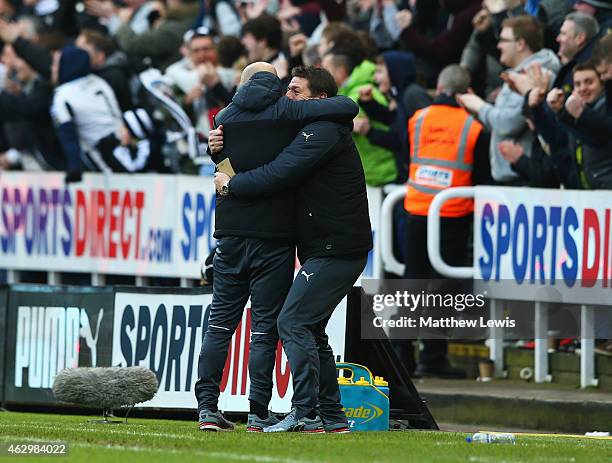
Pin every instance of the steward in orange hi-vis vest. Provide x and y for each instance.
(442, 143)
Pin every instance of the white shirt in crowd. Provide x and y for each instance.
(90, 103)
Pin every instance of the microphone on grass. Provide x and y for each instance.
(105, 387)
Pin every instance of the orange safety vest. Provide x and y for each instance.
(442, 143)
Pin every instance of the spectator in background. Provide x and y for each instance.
(394, 77)
(481, 50)
(551, 14)
(576, 39)
(601, 10)
(351, 74)
(230, 54)
(135, 14)
(262, 39)
(447, 149)
(592, 154)
(24, 105)
(89, 122)
(520, 44)
(596, 126)
(158, 47)
(446, 47)
(9, 8)
(196, 80)
(223, 17)
(108, 63)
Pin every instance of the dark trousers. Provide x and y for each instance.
(318, 288)
(455, 233)
(262, 269)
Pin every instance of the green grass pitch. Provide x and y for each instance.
(149, 440)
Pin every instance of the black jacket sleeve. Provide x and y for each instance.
(36, 56)
(26, 106)
(386, 138)
(482, 164)
(306, 152)
(336, 109)
(378, 112)
(596, 126)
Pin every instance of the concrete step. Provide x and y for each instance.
(516, 404)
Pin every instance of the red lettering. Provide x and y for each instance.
(589, 274)
(606, 261)
(139, 206)
(100, 224)
(282, 377)
(247, 350)
(81, 223)
(112, 242)
(226, 368)
(126, 238)
(93, 214)
(236, 364)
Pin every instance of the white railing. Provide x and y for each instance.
(541, 374)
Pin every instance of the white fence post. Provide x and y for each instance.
(587, 347)
(541, 343)
(385, 234)
(496, 339)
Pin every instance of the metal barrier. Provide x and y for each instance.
(541, 373)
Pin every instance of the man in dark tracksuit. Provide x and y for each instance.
(255, 250)
(333, 239)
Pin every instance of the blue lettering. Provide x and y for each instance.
(200, 222)
(570, 271)
(160, 323)
(43, 213)
(503, 237)
(67, 240)
(143, 334)
(127, 324)
(186, 246)
(175, 349)
(555, 221)
(30, 215)
(538, 240)
(519, 268)
(486, 265)
(195, 319)
(7, 239)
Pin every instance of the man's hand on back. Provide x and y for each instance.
(215, 140)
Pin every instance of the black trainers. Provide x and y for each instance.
(341, 427)
(214, 421)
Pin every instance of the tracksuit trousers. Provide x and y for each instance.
(243, 267)
(318, 288)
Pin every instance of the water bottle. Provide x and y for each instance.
(487, 438)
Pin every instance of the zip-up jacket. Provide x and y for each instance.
(257, 125)
(323, 164)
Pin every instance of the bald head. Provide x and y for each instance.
(254, 68)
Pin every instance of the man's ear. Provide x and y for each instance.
(323, 95)
(522, 45)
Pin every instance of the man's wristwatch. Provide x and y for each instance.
(225, 189)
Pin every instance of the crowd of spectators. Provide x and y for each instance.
(71, 98)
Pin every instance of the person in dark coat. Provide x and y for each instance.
(333, 240)
(255, 249)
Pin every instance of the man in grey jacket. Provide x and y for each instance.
(520, 45)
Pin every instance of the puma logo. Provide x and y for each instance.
(307, 135)
(307, 275)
